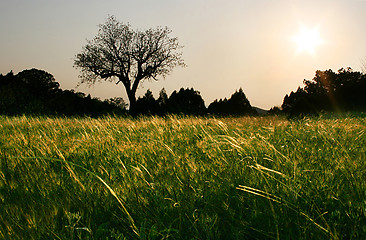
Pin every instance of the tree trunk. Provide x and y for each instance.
(132, 98)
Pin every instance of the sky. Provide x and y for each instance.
(228, 44)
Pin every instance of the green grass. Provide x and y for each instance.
(182, 178)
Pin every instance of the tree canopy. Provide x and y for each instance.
(37, 92)
(238, 104)
(328, 91)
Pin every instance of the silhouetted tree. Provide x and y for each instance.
(13, 94)
(27, 92)
(36, 92)
(162, 102)
(238, 104)
(39, 81)
(186, 101)
(130, 56)
(328, 91)
(218, 107)
(147, 104)
(275, 111)
(118, 102)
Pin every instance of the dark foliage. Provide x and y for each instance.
(147, 104)
(163, 102)
(328, 91)
(275, 111)
(36, 92)
(186, 101)
(238, 104)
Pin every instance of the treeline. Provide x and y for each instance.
(328, 91)
(189, 102)
(36, 92)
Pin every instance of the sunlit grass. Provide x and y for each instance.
(182, 178)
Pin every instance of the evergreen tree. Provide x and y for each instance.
(238, 104)
(147, 104)
(186, 101)
(162, 102)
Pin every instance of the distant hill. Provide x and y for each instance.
(260, 111)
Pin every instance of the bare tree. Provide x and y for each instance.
(121, 54)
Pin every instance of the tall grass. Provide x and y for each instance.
(182, 178)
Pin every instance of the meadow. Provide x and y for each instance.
(182, 178)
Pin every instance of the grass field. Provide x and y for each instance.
(182, 178)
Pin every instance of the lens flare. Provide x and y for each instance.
(307, 40)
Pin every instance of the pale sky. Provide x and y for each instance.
(228, 44)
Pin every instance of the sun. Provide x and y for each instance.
(307, 40)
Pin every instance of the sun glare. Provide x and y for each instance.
(307, 40)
